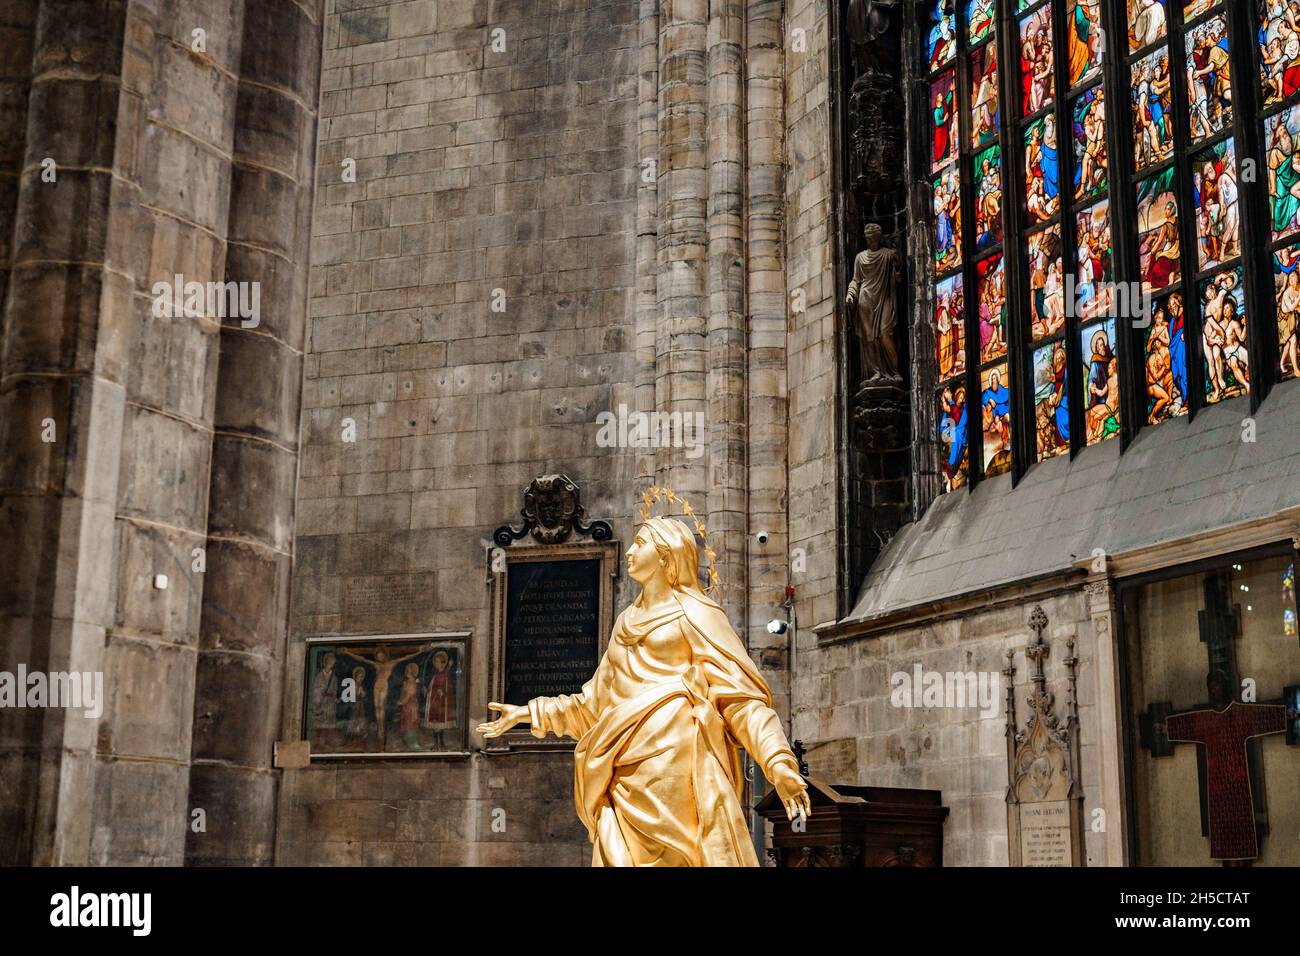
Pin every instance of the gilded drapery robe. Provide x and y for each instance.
(657, 769)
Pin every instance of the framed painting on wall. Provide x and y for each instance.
(386, 695)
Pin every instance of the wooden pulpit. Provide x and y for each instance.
(859, 826)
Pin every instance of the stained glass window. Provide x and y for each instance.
(1123, 218)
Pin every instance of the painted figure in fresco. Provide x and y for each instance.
(1283, 175)
(1146, 22)
(354, 712)
(440, 699)
(873, 297)
(384, 667)
(1288, 312)
(1164, 398)
(408, 707)
(1103, 386)
(324, 702)
(952, 436)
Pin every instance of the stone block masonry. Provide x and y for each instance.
(471, 313)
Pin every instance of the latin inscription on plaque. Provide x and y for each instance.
(552, 637)
(1045, 833)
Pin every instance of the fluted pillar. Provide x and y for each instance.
(681, 346)
(240, 675)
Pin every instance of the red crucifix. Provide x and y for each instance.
(1223, 734)
(1223, 728)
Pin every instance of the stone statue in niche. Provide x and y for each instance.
(873, 299)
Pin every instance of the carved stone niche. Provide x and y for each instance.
(871, 145)
(1044, 797)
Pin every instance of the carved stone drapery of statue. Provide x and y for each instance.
(873, 301)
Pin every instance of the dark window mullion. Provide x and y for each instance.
(1015, 278)
(1069, 251)
(1180, 108)
(970, 299)
(1123, 219)
(1256, 221)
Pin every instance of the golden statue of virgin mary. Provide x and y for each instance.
(657, 770)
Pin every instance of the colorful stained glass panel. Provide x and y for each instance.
(1158, 246)
(1165, 360)
(988, 198)
(1036, 64)
(947, 220)
(984, 103)
(1051, 401)
(943, 129)
(1146, 23)
(1089, 122)
(1153, 121)
(942, 41)
(992, 293)
(1100, 381)
(1286, 281)
(1226, 361)
(1194, 8)
(995, 415)
(1279, 45)
(1094, 288)
(1042, 170)
(952, 432)
(950, 326)
(1046, 278)
(979, 19)
(1209, 78)
(1282, 154)
(1086, 39)
(1218, 221)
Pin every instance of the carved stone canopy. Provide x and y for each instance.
(552, 511)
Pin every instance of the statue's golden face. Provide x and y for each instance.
(642, 558)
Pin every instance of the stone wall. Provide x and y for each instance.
(483, 176)
(810, 277)
(856, 735)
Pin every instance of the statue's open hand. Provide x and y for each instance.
(792, 789)
(511, 714)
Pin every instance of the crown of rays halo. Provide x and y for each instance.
(656, 494)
